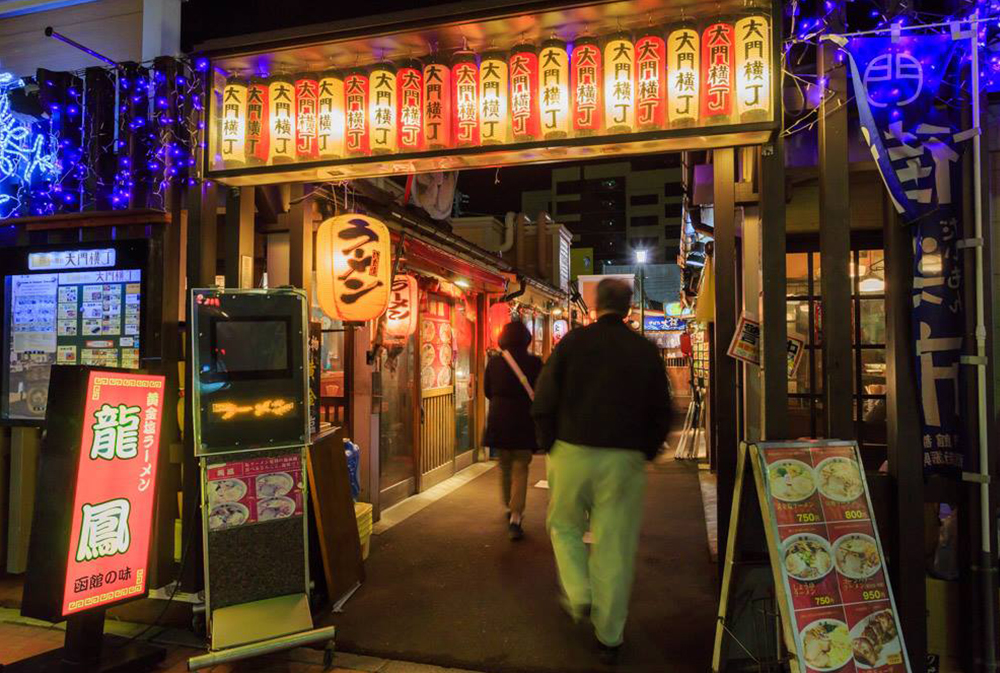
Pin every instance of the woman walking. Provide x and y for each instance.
(509, 382)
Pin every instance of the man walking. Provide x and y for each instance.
(602, 409)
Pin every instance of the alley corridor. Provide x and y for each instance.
(446, 586)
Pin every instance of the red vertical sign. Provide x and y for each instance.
(356, 112)
(258, 128)
(585, 86)
(717, 73)
(410, 104)
(650, 99)
(108, 559)
(306, 101)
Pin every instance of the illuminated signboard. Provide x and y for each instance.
(623, 86)
(71, 259)
(90, 545)
(108, 557)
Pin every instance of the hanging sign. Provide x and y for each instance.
(356, 113)
(553, 92)
(258, 136)
(234, 113)
(524, 110)
(586, 87)
(281, 98)
(401, 315)
(619, 84)
(465, 99)
(917, 146)
(651, 62)
(90, 548)
(753, 68)
(306, 91)
(827, 565)
(382, 88)
(745, 345)
(717, 73)
(410, 99)
(683, 69)
(353, 267)
(330, 122)
(493, 113)
(437, 98)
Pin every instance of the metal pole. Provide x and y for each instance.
(49, 32)
(642, 299)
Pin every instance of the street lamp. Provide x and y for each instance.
(640, 258)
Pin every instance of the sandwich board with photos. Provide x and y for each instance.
(803, 533)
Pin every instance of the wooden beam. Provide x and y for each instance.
(774, 324)
(835, 246)
(905, 447)
(239, 235)
(300, 238)
(725, 413)
(202, 248)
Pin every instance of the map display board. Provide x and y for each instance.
(73, 315)
(828, 564)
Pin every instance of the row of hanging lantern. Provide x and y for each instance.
(657, 79)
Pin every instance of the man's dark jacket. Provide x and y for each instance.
(603, 386)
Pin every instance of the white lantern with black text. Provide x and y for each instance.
(753, 69)
(353, 267)
(281, 114)
(683, 70)
(494, 121)
(401, 315)
(382, 106)
(331, 115)
(619, 84)
(234, 123)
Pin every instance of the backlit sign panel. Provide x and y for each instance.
(71, 259)
(109, 539)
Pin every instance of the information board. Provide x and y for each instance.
(245, 492)
(64, 311)
(828, 565)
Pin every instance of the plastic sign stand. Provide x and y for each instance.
(805, 581)
(251, 414)
(90, 551)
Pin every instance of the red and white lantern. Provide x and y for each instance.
(410, 102)
(717, 61)
(524, 110)
(306, 117)
(403, 310)
(586, 87)
(651, 69)
(258, 128)
(553, 89)
(465, 99)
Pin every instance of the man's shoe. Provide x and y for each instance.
(514, 531)
(608, 655)
(577, 613)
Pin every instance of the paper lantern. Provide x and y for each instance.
(586, 87)
(437, 102)
(353, 267)
(619, 84)
(306, 102)
(753, 69)
(403, 310)
(494, 121)
(410, 103)
(560, 328)
(258, 127)
(717, 73)
(683, 74)
(281, 115)
(330, 120)
(234, 123)
(465, 99)
(524, 110)
(553, 89)
(356, 137)
(650, 71)
(382, 88)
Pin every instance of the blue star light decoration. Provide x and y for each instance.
(25, 156)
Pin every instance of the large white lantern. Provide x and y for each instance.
(331, 115)
(494, 122)
(234, 123)
(553, 89)
(281, 115)
(353, 267)
(382, 91)
(683, 73)
(753, 69)
(619, 84)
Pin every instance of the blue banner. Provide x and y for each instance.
(659, 323)
(916, 144)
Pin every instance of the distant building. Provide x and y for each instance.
(616, 208)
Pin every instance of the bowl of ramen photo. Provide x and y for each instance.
(839, 479)
(227, 515)
(226, 490)
(856, 556)
(791, 480)
(808, 557)
(826, 645)
(275, 508)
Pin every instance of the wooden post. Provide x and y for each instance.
(202, 249)
(239, 235)
(774, 325)
(835, 244)
(905, 447)
(300, 237)
(751, 252)
(724, 420)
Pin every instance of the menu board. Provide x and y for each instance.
(437, 354)
(823, 538)
(245, 492)
(73, 317)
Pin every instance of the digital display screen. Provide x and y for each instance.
(72, 317)
(251, 347)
